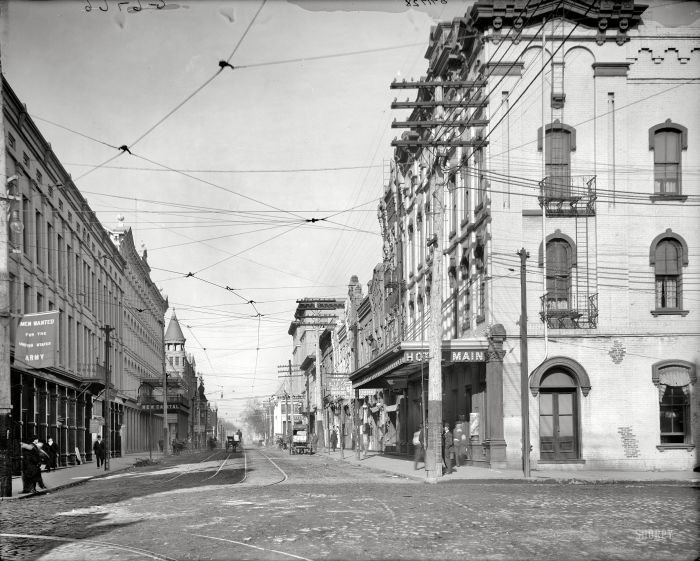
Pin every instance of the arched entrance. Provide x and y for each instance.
(559, 412)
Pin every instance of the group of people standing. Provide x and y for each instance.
(35, 455)
(454, 446)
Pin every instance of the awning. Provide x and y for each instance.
(408, 357)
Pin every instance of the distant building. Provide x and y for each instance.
(186, 405)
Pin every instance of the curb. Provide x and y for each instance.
(49, 490)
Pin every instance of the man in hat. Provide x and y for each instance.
(99, 449)
(31, 466)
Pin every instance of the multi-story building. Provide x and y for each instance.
(311, 318)
(564, 129)
(66, 267)
(187, 406)
(142, 355)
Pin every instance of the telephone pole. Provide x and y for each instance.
(166, 438)
(433, 452)
(106, 407)
(5, 318)
(524, 400)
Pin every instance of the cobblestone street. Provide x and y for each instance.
(270, 505)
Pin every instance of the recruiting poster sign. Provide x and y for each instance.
(37, 339)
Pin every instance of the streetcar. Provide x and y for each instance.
(300, 440)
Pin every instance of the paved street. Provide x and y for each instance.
(266, 504)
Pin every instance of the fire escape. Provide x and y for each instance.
(572, 302)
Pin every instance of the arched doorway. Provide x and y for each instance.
(559, 416)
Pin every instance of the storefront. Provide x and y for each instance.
(395, 390)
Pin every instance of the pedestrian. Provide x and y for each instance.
(365, 439)
(418, 447)
(99, 449)
(52, 451)
(314, 442)
(334, 439)
(460, 440)
(448, 448)
(32, 458)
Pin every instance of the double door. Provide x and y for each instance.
(558, 425)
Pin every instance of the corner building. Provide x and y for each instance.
(568, 129)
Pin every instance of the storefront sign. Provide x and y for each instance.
(464, 356)
(338, 385)
(37, 340)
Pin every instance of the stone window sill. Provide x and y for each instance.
(555, 462)
(670, 313)
(664, 447)
(672, 197)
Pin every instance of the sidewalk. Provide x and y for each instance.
(74, 475)
(403, 466)
(392, 465)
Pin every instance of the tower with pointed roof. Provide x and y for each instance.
(175, 347)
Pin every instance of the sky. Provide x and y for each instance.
(227, 165)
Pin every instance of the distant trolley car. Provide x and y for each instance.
(300, 440)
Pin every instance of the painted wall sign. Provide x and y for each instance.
(36, 343)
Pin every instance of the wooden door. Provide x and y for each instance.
(558, 425)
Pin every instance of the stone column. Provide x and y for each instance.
(495, 444)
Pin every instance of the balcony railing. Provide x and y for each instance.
(577, 312)
(568, 195)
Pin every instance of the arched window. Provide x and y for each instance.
(667, 140)
(559, 142)
(559, 274)
(668, 256)
(673, 378)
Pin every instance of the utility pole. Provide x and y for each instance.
(106, 407)
(433, 453)
(320, 416)
(166, 438)
(5, 318)
(289, 424)
(525, 403)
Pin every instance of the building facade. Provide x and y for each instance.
(187, 407)
(564, 130)
(67, 273)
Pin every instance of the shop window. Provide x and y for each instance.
(673, 379)
(674, 415)
(668, 256)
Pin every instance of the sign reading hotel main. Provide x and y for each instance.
(37, 339)
(412, 357)
(447, 356)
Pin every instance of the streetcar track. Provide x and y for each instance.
(253, 546)
(100, 543)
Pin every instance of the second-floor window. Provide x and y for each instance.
(667, 272)
(559, 269)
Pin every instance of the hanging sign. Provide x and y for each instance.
(37, 339)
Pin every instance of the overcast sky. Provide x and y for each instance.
(221, 186)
